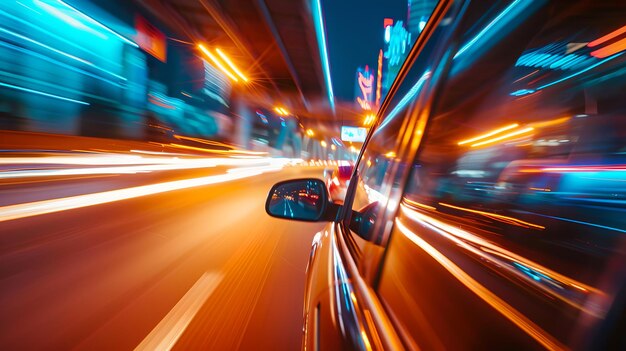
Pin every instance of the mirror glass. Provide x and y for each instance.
(303, 199)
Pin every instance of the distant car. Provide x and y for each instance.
(487, 210)
(338, 180)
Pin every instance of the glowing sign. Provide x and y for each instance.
(355, 134)
(151, 39)
(398, 43)
(365, 88)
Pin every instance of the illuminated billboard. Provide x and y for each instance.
(355, 134)
(364, 88)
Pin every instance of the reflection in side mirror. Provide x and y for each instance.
(299, 199)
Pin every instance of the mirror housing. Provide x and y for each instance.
(301, 200)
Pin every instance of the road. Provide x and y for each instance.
(192, 262)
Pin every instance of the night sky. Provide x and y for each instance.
(355, 34)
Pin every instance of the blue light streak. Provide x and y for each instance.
(63, 53)
(58, 63)
(578, 222)
(37, 92)
(68, 19)
(318, 21)
(491, 24)
(93, 21)
(410, 95)
(530, 91)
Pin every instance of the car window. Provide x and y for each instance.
(512, 224)
(382, 168)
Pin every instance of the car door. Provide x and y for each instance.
(539, 262)
(342, 310)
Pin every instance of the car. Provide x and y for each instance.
(486, 210)
(338, 179)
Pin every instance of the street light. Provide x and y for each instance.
(217, 62)
(323, 143)
(310, 132)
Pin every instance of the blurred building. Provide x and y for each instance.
(418, 13)
(397, 46)
(102, 68)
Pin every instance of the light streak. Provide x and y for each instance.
(487, 28)
(463, 238)
(63, 53)
(231, 64)
(607, 37)
(610, 49)
(484, 293)
(379, 78)
(503, 137)
(320, 30)
(418, 204)
(55, 62)
(30, 209)
(37, 92)
(501, 218)
(68, 19)
(487, 135)
(93, 21)
(410, 95)
(217, 62)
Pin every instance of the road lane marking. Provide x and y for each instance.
(165, 335)
(30, 209)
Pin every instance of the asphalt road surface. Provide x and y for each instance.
(102, 262)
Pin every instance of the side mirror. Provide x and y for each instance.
(300, 199)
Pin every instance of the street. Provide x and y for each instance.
(202, 267)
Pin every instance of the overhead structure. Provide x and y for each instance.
(270, 46)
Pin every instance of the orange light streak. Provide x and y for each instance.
(231, 64)
(487, 135)
(417, 204)
(610, 49)
(485, 294)
(607, 37)
(501, 218)
(217, 62)
(30, 209)
(505, 136)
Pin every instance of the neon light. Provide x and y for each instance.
(231, 64)
(610, 49)
(93, 21)
(217, 62)
(530, 91)
(492, 133)
(607, 37)
(10, 86)
(318, 20)
(379, 79)
(579, 72)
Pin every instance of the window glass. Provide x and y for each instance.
(382, 167)
(513, 219)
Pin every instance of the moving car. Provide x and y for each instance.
(338, 180)
(486, 210)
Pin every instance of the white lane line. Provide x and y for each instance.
(68, 203)
(165, 335)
